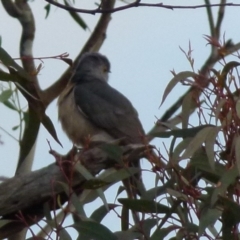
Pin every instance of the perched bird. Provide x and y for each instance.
(89, 108)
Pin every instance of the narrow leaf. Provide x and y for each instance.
(47, 8)
(8, 104)
(110, 176)
(233, 207)
(9, 62)
(207, 218)
(4, 222)
(196, 142)
(64, 235)
(76, 17)
(78, 205)
(7, 77)
(29, 136)
(237, 152)
(145, 206)
(179, 77)
(186, 109)
(80, 168)
(228, 177)
(128, 235)
(227, 68)
(101, 212)
(209, 145)
(93, 230)
(183, 133)
(47, 123)
(5, 95)
(94, 184)
(160, 234)
(238, 108)
(113, 151)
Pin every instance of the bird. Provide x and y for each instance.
(89, 108)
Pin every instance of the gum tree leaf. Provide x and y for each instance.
(197, 142)
(93, 230)
(76, 17)
(5, 95)
(145, 206)
(207, 218)
(177, 78)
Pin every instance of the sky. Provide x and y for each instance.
(142, 45)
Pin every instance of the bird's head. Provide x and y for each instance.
(91, 66)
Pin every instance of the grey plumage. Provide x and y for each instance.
(90, 108)
(89, 100)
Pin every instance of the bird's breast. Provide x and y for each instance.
(75, 123)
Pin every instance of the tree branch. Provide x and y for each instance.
(137, 3)
(25, 195)
(94, 43)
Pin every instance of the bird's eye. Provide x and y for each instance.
(105, 70)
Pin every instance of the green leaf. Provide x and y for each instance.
(80, 168)
(113, 151)
(78, 205)
(34, 238)
(128, 235)
(111, 176)
(76, 17)
(7, 77)
(197, 142)
(160, 234)
(237, 152)
(207, 218)
(181, 133)
(176, 156)
(9, 62)
(228, 178)
(201, 163)
(209, 145)
(227, 68)
(145, 206)
(5, 95)
(186, 109)
(10, 105)
(154, 192)
(119, 175)
(177, 194)
(146, 226)
(26, 117)
(47, 213)
(83, 171)
(101, 212)
(94, 184)
(179, 77)
(93, 230)
(233, 207)
(218, 109)
(15, 127)
(47, 123)
(29, 136)
(4, 222)
(64, 235)
(47, 8)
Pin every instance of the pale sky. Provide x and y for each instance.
(142, 45)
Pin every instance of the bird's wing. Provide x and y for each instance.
(108, 109)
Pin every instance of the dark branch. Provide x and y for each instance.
(25, 195)
(136, 4)
(94, 43)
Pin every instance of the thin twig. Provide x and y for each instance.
(93, 44)
(136, 4)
